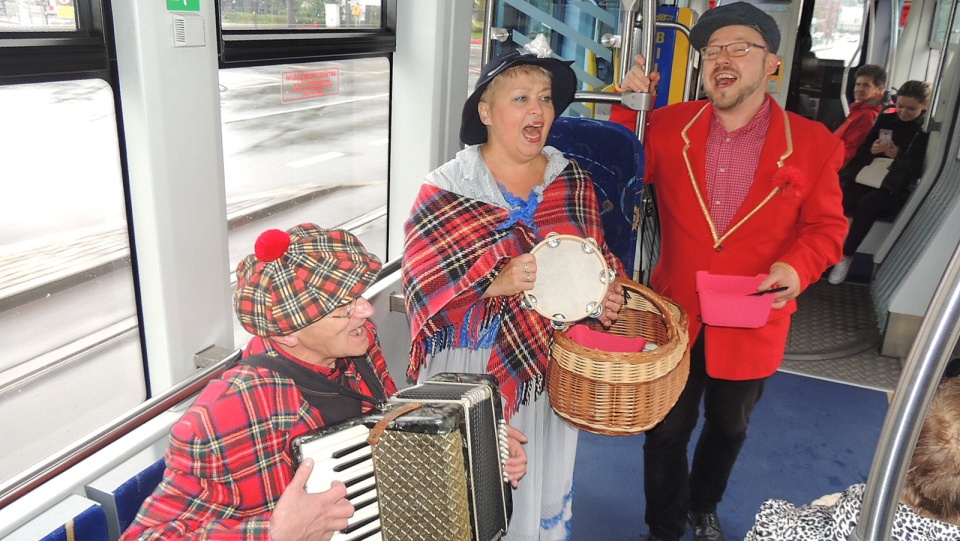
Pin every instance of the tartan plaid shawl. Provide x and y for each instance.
(456, 246)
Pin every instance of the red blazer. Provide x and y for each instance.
(792, 216)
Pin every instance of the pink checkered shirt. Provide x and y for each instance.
(732, 160)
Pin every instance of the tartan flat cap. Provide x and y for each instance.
(296, 277)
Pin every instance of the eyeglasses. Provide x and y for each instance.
(735, 49)
(351, 306)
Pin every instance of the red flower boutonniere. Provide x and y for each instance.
(790, 181)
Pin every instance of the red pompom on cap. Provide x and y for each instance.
(271, 245)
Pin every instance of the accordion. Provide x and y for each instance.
(436, 472)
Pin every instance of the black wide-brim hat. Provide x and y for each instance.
(735, 14)
(563, 84)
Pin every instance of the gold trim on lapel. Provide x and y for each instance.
(717, 241)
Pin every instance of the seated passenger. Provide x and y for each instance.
(870, 100)
(929, 508)
(229, 468)
(899, 136)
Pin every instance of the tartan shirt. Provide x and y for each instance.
(229, 458)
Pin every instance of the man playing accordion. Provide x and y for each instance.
(314, 360)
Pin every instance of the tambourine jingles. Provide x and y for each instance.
(572, 279)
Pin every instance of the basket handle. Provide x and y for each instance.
(654, 299)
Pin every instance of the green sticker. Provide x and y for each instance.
(183, 5)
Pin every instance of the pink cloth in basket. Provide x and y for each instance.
(587, 337)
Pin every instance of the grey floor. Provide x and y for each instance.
(834, 336)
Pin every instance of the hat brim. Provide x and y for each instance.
(563, 82)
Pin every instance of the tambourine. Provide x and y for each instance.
(572, 279)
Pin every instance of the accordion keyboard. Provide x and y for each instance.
(435, 472)
(345, 456)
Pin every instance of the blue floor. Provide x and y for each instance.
(808, 437)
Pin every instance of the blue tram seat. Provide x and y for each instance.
(122, 490)
(73, 518)
(613, 156)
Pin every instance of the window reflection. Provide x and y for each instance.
(835, 29)
(300, 14)
(37, 16)
(67, 304)
(306, 143)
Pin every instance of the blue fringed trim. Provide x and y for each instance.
(489, 334)
(480, 327)
(440, 341)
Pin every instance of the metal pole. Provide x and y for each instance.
(486, 48)
(922, 372)
(648, 22)
(628, 21)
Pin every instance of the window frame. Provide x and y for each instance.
(252, 47)
(60, 55)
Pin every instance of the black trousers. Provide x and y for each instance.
(671, 488)
(866, 205)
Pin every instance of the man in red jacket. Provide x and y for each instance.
(870, 100)
(743, 188)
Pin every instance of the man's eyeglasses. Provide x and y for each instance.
(351, 306)
(735, 49)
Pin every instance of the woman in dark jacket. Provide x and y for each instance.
(907, 146)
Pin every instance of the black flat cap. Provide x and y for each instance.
(563, 84)
(736, 14)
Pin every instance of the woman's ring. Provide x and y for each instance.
(528, 277)
(526, 268)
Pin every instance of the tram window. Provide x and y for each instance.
(305, 15)
(68, 313)
(306, 143)
(37, 16)
(941, 24)
(835, 29)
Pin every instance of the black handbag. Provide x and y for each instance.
(904, 171)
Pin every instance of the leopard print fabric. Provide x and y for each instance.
(779, 520)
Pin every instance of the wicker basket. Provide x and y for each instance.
(617, 393)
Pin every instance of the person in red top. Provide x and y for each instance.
(743, 188)
(229, 468)
(868, 91)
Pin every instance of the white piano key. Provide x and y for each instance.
(329, 466)
(367, 532)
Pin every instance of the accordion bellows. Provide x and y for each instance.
(436, 473)
(405, 499)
